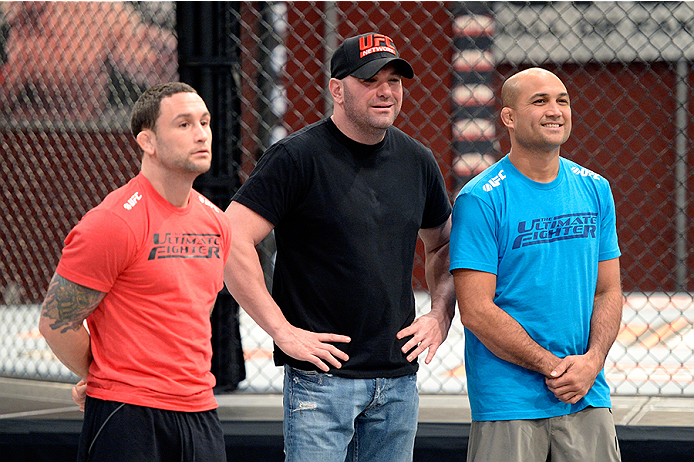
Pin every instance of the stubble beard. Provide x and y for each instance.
(368, 123)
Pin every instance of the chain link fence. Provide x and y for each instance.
(70, 73)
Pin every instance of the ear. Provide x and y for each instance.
(508, 117)
(146, 139)
(336, 90)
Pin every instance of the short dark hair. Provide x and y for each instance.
(148, 106)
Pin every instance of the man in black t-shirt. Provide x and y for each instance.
(347, 198)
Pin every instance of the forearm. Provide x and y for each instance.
(604, 324)
(575, 375)
(436, 268)
(243, 276)
(63, 312)
(494, 327)
(72, 348)
(508, 340)
(441, 284)
(607, 311)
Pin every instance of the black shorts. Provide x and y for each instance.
(123, 432)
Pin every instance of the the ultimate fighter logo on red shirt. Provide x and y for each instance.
(172, 245)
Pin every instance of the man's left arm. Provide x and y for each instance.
(430, 330)
(575, 375)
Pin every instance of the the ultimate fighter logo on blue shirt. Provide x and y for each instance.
(560, 228)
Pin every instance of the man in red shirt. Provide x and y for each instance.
(143, 269)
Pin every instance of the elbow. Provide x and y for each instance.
(44, 326)
(46, 331)
(469, 317)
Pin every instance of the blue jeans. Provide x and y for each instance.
(333, 419)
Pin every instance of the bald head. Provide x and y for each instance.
(537, 113)
(513, 86)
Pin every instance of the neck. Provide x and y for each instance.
(170, 185)
(364, 136)
(542, 167)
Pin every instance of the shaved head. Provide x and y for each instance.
(513, 85)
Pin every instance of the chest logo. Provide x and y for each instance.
(559, 228)
(185, 245)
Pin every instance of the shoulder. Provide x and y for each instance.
(580, 171)
(493, 179)
(294, 149)
(402, 140)
(205, 204)
(317, 132)
(119, 207)
(206, 207)
(126, 201)
(585, 176)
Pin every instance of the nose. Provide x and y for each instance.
(554, 109)
(384, 90)
(202, 132)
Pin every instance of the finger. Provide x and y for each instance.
(568, 394)
(406, 332)
(319, 364)
(414, 354)
(563, 397)
(333, 351)
(419, 349)
(329, 355)
(412, 344)
(571, 398)
(430, 355)
(560, 369)
(332, 338)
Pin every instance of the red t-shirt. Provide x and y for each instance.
(161, 268)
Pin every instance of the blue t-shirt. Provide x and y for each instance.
(543, 241)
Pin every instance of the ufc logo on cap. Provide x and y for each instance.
(374, 43)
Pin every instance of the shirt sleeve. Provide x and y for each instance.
(274, 185)
(474, 243)
(438, 205)
(609, 245)
(97, 250)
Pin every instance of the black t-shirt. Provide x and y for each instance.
(346, 219)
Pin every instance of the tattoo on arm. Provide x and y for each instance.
(68, 304)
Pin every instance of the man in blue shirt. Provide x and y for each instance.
(535, 259)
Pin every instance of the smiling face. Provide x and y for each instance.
(365, 108)
(537, 111)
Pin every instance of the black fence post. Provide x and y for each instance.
(208, 57)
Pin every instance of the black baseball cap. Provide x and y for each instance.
(364, 55)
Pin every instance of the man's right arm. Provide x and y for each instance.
(63, 312)
(495, 328)
(243, 276)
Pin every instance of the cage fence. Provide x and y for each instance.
(71, 71)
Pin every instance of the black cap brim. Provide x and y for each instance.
(372, 68)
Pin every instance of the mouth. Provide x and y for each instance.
(383, 108)
(552, 125)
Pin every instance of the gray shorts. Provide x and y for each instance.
(586, 436)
